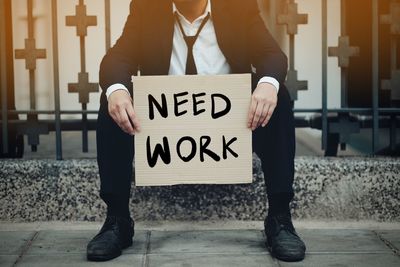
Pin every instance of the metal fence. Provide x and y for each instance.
(336, 124)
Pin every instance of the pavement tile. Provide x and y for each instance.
(218, 241)
(325, 247)
(393, 236)
(7, 260)
(139, 243)
(345, 260)
(65, 242)
(79, 260)
(342, 240)
(12, 242)
(214, 260)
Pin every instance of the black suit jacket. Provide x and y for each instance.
(146, 42)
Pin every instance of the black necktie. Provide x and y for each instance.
(190, 40)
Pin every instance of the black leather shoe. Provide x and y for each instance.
(282, 240)
(115, 235)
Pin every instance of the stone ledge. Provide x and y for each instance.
(344, 188)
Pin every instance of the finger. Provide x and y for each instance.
(115, 116)
(131, 115)
(125, 123)
(252, 110)
(269, 115)
(264, 114)
(133, 118)
(257, 115)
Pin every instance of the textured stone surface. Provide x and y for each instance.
(346, 260)
(8, 260)
(244, 241)
(342, 241)
(338, 188)
(78, 260)
(58, 242)
(392, 237)
(220, 260)
(12, 243)
(216, 248)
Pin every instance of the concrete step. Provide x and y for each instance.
(343, 188)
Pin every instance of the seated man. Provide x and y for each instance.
(176, 37)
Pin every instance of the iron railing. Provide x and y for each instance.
(336, 124)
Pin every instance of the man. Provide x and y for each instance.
(176, 37)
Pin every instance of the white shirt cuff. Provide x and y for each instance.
(115, 87)
(270, 80)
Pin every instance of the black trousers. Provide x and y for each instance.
(274, 144)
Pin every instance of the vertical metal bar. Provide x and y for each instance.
(83, 53)
(56, 75)
(107, 8)
(85, 146)
(343, 18)
(3, 77)
(291, 51)
(32, 80)
(375, 75)
(85, 139)
(272, 13)
(344, 71)
(32, 94)
(324, 75)
(393, 64)
(30, 19)
(393, 53)
(393, 132)
(343, 84)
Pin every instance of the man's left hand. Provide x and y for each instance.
(263, 103)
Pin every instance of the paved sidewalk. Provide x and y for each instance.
(182, 245)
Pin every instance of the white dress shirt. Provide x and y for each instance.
(207, 55)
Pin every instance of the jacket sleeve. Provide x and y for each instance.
(122, 60)
(265, 54)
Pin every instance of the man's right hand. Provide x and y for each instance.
(120, 108)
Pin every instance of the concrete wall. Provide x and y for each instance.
(343, 188)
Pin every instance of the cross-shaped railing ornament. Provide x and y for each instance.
(83, 87)
(344, 127)
(30, 54)
(33, 129)
(294, 85)
(81, 20)
(393, 18)
(292, 18)
(344, 51)
(393, 85)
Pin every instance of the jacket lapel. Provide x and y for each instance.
(222, 24)
(166, 34)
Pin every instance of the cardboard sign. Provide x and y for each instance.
(194, 129)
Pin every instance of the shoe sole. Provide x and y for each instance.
(108, 257)
(288, 259)
(103, 257)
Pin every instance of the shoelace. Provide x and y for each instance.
(110, 221)
(285, 223)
